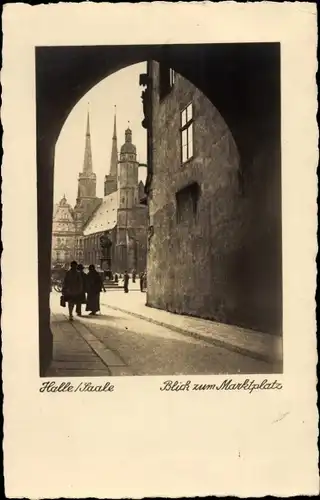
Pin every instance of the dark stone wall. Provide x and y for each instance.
(224, 263)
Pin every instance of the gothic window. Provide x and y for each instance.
(187, 133)
(58, 255)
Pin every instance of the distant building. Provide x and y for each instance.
(64, 233)
(213, 248)
(122, 212)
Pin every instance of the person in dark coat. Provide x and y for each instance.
(94, 285)
(134, 275)
(72, 288)
(145, 280)
(82, 298)
(141, 277)
(126, 282)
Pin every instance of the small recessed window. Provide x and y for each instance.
(172, 77)
(187, 200)
(166, 79)
(187, 133)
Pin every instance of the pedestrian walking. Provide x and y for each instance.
(145, 280)
(134, 275)
(94, 285)
(82, 298)
(72, 288)
(141, 278)
(126, 282)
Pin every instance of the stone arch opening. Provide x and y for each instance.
(102, 113)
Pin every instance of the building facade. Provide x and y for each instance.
(213, 249)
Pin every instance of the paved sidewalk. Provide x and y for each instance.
(257, 345)
(72, 356)
(77, 351)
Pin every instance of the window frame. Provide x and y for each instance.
(189, 123)
(172, 77)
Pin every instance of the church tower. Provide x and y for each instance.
(128, 168)
(110, 183)
(128, 180)
(86, 198)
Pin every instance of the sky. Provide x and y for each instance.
(121, 89)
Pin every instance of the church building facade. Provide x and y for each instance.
(121, 214)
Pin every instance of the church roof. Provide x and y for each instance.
(105, 217)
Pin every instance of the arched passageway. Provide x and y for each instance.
(241, 80)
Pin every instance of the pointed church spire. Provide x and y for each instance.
(87, 162)
(114, 150)
(115, 123)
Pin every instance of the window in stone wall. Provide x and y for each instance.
(187, 200)
(172, 77)
(166, 80)
(187, 133)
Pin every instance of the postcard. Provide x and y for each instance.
(159, 264)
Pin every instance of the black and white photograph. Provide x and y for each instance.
(159, 265)
(159, 202)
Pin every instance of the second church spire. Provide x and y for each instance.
(110, 183)
(87, 162)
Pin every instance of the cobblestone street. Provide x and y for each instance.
(123, 343)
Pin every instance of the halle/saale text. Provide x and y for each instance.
(81, 387)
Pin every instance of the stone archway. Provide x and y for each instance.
(241, 80)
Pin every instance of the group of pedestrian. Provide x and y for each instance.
(142, 278)
(80, 288)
